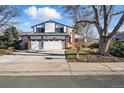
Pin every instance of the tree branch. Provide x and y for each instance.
(86, 21)
(105, 20)
(117, 13)
(97, 23)
(5, 22)
(114, 14)
(109, 12)
(7, 13)
(119, 24)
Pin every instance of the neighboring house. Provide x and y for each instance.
(50, 35)
(119, 36)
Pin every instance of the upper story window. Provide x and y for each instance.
(40, 29)
(59, 28)
(49, 27)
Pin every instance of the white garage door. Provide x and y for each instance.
(34, 45)
(52, 45)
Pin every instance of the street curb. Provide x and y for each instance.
(62, 73)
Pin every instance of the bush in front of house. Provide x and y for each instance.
(2, 42)
(10, 38)
(117, 48)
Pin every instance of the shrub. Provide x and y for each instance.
(116, 48)
(10, 38)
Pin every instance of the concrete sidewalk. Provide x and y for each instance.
(60, 68)
(97, 68)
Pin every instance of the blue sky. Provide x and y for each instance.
(27, 19)
(32, 15)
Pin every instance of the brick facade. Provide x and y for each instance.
(73, 39)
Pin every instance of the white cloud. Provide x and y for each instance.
(26, 24)
(43, 13)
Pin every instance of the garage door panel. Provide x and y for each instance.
(34, 45)
(52, 44)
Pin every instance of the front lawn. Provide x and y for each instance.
(90, 55)
(5, 52)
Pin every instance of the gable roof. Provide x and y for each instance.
(52, 22)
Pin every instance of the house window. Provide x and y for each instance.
(40, 29)
(59, 28)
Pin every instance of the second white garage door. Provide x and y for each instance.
(52, 45)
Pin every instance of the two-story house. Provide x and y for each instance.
(49, 35)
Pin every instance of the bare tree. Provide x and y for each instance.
(84, 29)
(7, 13)
(101, 16)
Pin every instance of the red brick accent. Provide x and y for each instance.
(73, 39)
(26, 45)
(66, 42)
(29, 44)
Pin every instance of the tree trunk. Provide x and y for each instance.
(85, 40)
(78, 49)
(104, 45)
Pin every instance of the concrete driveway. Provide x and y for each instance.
(34, 62)
(44, 62)
(35, 56)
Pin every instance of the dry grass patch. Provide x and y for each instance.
(90, 55)
(5, 52)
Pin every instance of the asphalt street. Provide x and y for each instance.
(108, 81)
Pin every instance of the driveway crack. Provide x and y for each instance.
(70, 68)
(109, 68)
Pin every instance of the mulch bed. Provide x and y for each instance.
(91, 57)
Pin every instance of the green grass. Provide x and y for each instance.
(86, 55)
